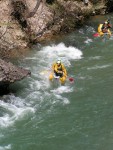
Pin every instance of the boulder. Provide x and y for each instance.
(10, 73)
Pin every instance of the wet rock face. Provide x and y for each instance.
(110, 5)
(24, 22)
(18, 12)
(10, 73)
(11, 34)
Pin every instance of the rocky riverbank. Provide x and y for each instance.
(23, 22)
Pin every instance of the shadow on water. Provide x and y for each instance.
(4, 89)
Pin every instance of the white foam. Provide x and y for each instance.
(81, 31)
(87, 41)
(95, 58)
(62, 99)
(62, 51)
(13, 111)
(98, 67)
(5, 147)
(62, 89)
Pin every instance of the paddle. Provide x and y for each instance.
(71, 79)
(96, 34)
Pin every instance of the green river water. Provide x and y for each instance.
(78, 116)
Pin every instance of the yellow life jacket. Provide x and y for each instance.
(101, 32)
(100, 28)
(57, 68)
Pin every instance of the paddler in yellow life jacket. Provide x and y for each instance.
(104, 28)
(59, 70)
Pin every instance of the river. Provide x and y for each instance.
(38, 115)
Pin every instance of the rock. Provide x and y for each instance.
(9, 73)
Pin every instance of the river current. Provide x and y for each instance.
(39, 115)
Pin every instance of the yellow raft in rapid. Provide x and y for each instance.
(62, 79)
(102, 33)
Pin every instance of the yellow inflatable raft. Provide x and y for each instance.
(62, 79)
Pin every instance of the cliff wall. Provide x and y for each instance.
(23, 22)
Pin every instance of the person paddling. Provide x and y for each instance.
(59, 70)
(104, 28)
